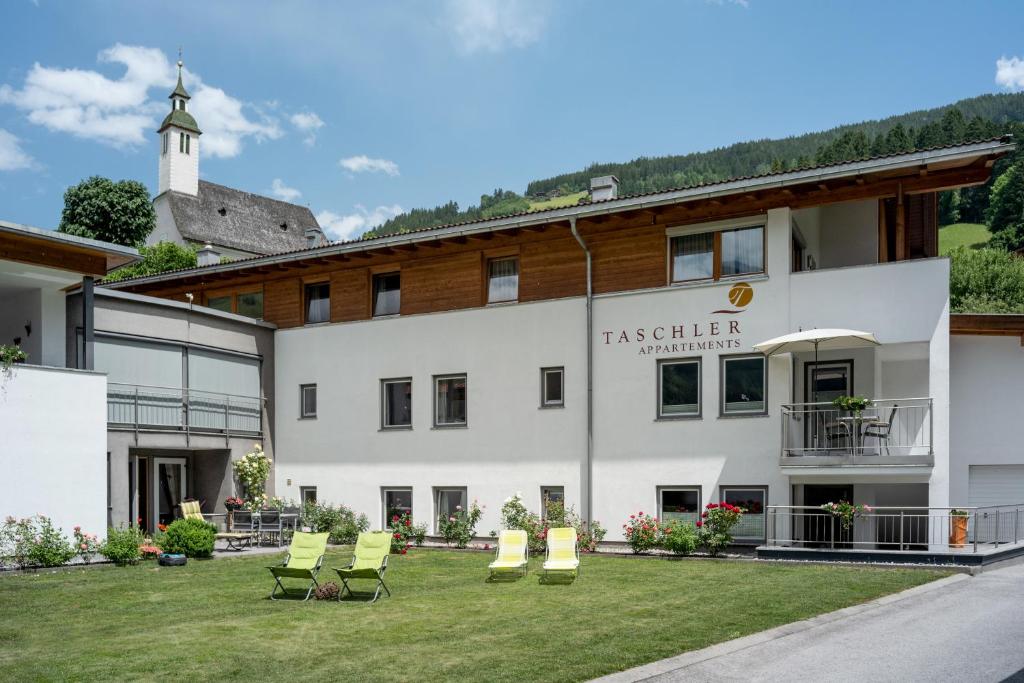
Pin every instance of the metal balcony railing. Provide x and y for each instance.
(908, 529)
(891, 426)
(138, 407)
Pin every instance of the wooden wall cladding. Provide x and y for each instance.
(350, 294)
(552, 269)
(442, 283)
(282, 302)
(626, 258)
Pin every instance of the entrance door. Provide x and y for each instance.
(824, 382)
(168, 488)
(821, 529)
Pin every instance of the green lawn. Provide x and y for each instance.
(972, 235)
(558, 202)
(212, 620)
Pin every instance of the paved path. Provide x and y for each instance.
(964, 629)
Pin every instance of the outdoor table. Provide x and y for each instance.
(855, 423)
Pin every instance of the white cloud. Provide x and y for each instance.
(494, 25)
(283, 192)
(1010, 73)
(119, 111)
(353, 225)
(364, 164)
(309, 123)
(12, 158)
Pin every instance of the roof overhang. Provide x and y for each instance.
(988, 324)
(978, 156)
(52, 249)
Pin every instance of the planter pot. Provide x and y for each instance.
(957, 531)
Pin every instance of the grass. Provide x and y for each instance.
(558, 202)
(211, 619)
(971, 235)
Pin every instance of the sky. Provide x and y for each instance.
(362, 110)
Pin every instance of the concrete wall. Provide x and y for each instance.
(54, 459)
(44, 309)
(849, 234)
(986, 375)
(179, 172)
(166, 229)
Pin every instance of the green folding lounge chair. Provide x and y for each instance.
(562, 556)
(303, 561)
(369, 561)
(512, 555)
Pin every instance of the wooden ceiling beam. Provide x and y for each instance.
(481, 236)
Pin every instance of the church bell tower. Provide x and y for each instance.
(179, 145)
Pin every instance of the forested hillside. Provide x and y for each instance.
(975, 118)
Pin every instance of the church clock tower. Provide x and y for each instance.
(179, 145)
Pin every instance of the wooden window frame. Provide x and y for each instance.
(716, 228)
(306, 284)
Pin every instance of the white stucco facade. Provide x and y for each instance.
(179, 161)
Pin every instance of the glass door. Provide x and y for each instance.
(824, 382)
(168, 488)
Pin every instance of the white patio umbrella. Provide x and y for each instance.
(812, 340)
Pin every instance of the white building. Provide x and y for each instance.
(604, 353)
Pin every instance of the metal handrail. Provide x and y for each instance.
(183, 409)
(181, 389)
(888, 427)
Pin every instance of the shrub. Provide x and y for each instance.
(404, 533)
(557, 515)
(514, 515)
(641, 532)
(341, 522)
(252, 471)
(122, 545)
(86, 544)
(458, 529)
(679, 538)
(33, 542)
(715, 525)
(327, 591)
(189, 537)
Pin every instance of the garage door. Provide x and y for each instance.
(995, 485)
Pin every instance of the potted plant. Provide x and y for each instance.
(845, 512)
(232, 503)
(853, 404)
(958, 528)
(9, 355)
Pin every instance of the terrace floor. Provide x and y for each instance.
(212, 619)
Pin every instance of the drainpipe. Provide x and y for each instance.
(589, 495)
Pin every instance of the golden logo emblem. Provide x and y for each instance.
(740, 296)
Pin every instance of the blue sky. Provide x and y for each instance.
(362, 109)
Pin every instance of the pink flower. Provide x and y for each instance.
(78, 528)
(83, 546)
(458, 508)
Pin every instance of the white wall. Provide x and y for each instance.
(54, 458)
(166, 230)
(179, 172)
(44, 309)
(986, 376)
(849, 234)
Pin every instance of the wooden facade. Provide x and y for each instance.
(628, 247)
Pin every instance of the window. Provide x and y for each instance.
(679, 504)
(550, 494)
(307, 494)
(188, 143)
(552, 387)
(753, 500)
(397, 502)
(181, 142)
(396, 403)
(679, 388)
(447, 502)
(219, 303)
(181, 105)
(387, 294)
(502, 280)
(307, 400)
(450, 401)
(318, 303)
(743, 385)
(717, 254)
(165, 142)
(251, 305)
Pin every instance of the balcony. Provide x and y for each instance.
(896, 431)
(147, 408)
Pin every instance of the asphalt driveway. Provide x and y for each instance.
(959, 629)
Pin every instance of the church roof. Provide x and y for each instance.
(181, 119)
(226, 217)
(179, 90)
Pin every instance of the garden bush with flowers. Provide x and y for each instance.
(678, 538)
(641, 532)
(252, 471)
(340, 521)
(514, 515)
(404, 533)
(459, 528)
(189, 537)
(122, 545)
(845, 512)
(715, 526)
(86, 545)
(33, 542)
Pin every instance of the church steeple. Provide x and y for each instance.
(179, 144)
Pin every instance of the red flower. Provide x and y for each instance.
(408, 522)
(404, 551)
(699, 524)
(640, 513)
(395, 518)
(632, 516)
(398, 535)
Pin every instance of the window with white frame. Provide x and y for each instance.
(679, 388)
(502, 279)
(307, 494)
(396, 502)
(679, 504)
(549, 495)
(307, 401)
(396, 403)
(754, 500)
(447, 502)
(717, 253)
(450, 401)
(743, 385)
(552, 387)
(387, 294)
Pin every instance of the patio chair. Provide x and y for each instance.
(305, 555)
(369, 561)
(513, 554)
(271, 526)
(562, 556)
(881, 429)
(191, 509)
(244, 528)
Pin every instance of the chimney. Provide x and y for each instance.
(605, 187)
(314, 237)
(207, 256)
